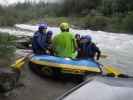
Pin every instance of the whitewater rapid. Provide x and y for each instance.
(118, 47)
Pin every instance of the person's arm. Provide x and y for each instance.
(53, 45)
(75, 43)
(98, 52)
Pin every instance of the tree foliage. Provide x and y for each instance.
(97, 10)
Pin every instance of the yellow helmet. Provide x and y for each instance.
(64, 26)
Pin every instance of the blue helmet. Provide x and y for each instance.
(43, 26)
(82, 37)
(88, 37)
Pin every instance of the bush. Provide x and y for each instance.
(115, 24)
(8, 21)
(128, 23)
(96, 22)
(6, 48)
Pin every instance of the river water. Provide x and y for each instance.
(118, 47)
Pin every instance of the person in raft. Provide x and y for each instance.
(65, 43)
(49, 42)
(89, 49)
(39, 44)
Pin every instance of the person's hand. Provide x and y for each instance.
(47, 52)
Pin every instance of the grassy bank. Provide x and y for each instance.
(6, 49)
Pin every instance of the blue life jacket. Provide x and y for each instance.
(90, 50)
(39, 44)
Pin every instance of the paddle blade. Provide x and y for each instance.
(19, 63)
(112, 70)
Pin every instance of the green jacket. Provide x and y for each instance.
(65, 45)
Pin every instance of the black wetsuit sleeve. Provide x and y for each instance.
(97, 50)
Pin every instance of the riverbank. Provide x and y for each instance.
(95, 23)
(7, 49)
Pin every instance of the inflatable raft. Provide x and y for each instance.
(51, 65)
(58, 66)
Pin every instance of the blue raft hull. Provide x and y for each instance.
(58, 66)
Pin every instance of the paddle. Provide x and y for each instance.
(110, 70)
(19, 63)
(114, 72)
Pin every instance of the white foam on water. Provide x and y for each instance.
(119, 42)
(118, 46)
(13, 31)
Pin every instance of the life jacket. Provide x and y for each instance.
(39, 42)
(88, 50)
(65, 45)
